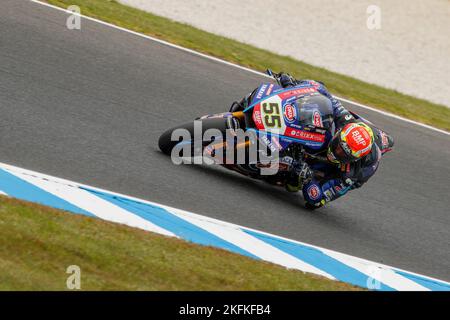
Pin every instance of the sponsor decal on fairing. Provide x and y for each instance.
(257, 118)
(317, 119)
(269, 90)
(296, 92)
(268, 143)
(290, 113)
(304, 135)
(261, 91)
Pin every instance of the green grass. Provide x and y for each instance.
(38, 243)
(258, 59)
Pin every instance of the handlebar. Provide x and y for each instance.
(274, 75)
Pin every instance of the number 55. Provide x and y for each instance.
(272, 117)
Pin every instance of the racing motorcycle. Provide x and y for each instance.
(275, 123)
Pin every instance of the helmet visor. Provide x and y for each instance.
(338, 152)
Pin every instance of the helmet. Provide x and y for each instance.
(351, 143)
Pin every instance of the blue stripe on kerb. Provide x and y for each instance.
(15, 187)
(431, 284)
(320, 260)
(168, 221)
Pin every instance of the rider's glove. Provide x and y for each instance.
(286, 80)
(287, 162)
(304, 172)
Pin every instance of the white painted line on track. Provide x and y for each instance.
(387, 114)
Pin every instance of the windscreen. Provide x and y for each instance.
(315, 110)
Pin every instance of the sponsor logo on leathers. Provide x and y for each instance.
(313, 192)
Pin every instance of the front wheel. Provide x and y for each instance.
(166, 144)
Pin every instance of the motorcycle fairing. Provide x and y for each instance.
(275, 111)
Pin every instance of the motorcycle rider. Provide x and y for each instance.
(354, 156)
(353, 153)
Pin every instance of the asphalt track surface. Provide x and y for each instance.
(90, 105)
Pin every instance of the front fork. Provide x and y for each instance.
(235, 120)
